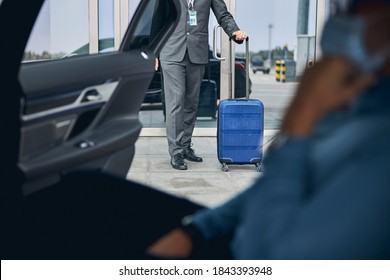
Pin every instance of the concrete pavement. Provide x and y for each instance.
(204, 183)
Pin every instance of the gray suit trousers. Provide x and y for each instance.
(182, 82)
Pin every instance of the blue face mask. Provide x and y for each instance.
(344, 36)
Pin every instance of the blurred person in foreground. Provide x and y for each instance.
(326, 188)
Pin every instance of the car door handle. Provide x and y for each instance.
(85, 144)
(92, 95)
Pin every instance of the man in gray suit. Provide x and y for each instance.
(183, 61)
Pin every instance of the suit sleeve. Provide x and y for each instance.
(229, 216)
(284, 217)
(223, 219)
(224, 18)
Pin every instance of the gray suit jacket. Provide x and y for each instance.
(196, 38)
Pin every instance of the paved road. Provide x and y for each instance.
(275, 96)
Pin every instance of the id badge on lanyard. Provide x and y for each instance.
(193, 20)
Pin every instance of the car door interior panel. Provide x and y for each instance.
(61, 135)
(81, 112)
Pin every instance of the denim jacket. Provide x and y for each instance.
(326, 196)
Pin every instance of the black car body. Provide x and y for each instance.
(212, 72)
(154, 93)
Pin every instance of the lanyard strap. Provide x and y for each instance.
(190, 5)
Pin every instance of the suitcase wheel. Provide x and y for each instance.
(225, 167)
(259, 167)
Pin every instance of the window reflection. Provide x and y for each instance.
(274, 24)
(62, 30)
(133, 4)
(106, 25)
(148, 29)
(280, 32)
(273, 29)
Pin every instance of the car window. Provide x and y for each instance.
(62, 29)
(71, 28)
(142, 33)
(147, 33)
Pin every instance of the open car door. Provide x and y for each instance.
(82, 111)
(73, 113)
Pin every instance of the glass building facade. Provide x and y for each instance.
(85, 27)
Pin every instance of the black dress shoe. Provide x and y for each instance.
(177, 162)
(189, 154)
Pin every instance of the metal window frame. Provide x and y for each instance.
(121, 22)
(93, 26)
(321, 17)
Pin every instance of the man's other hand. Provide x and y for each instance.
(175, 245)
(156, 65)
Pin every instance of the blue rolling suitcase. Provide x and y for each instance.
(240, 127)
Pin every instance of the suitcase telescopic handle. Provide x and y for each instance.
(232, 62)
(247, 68)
